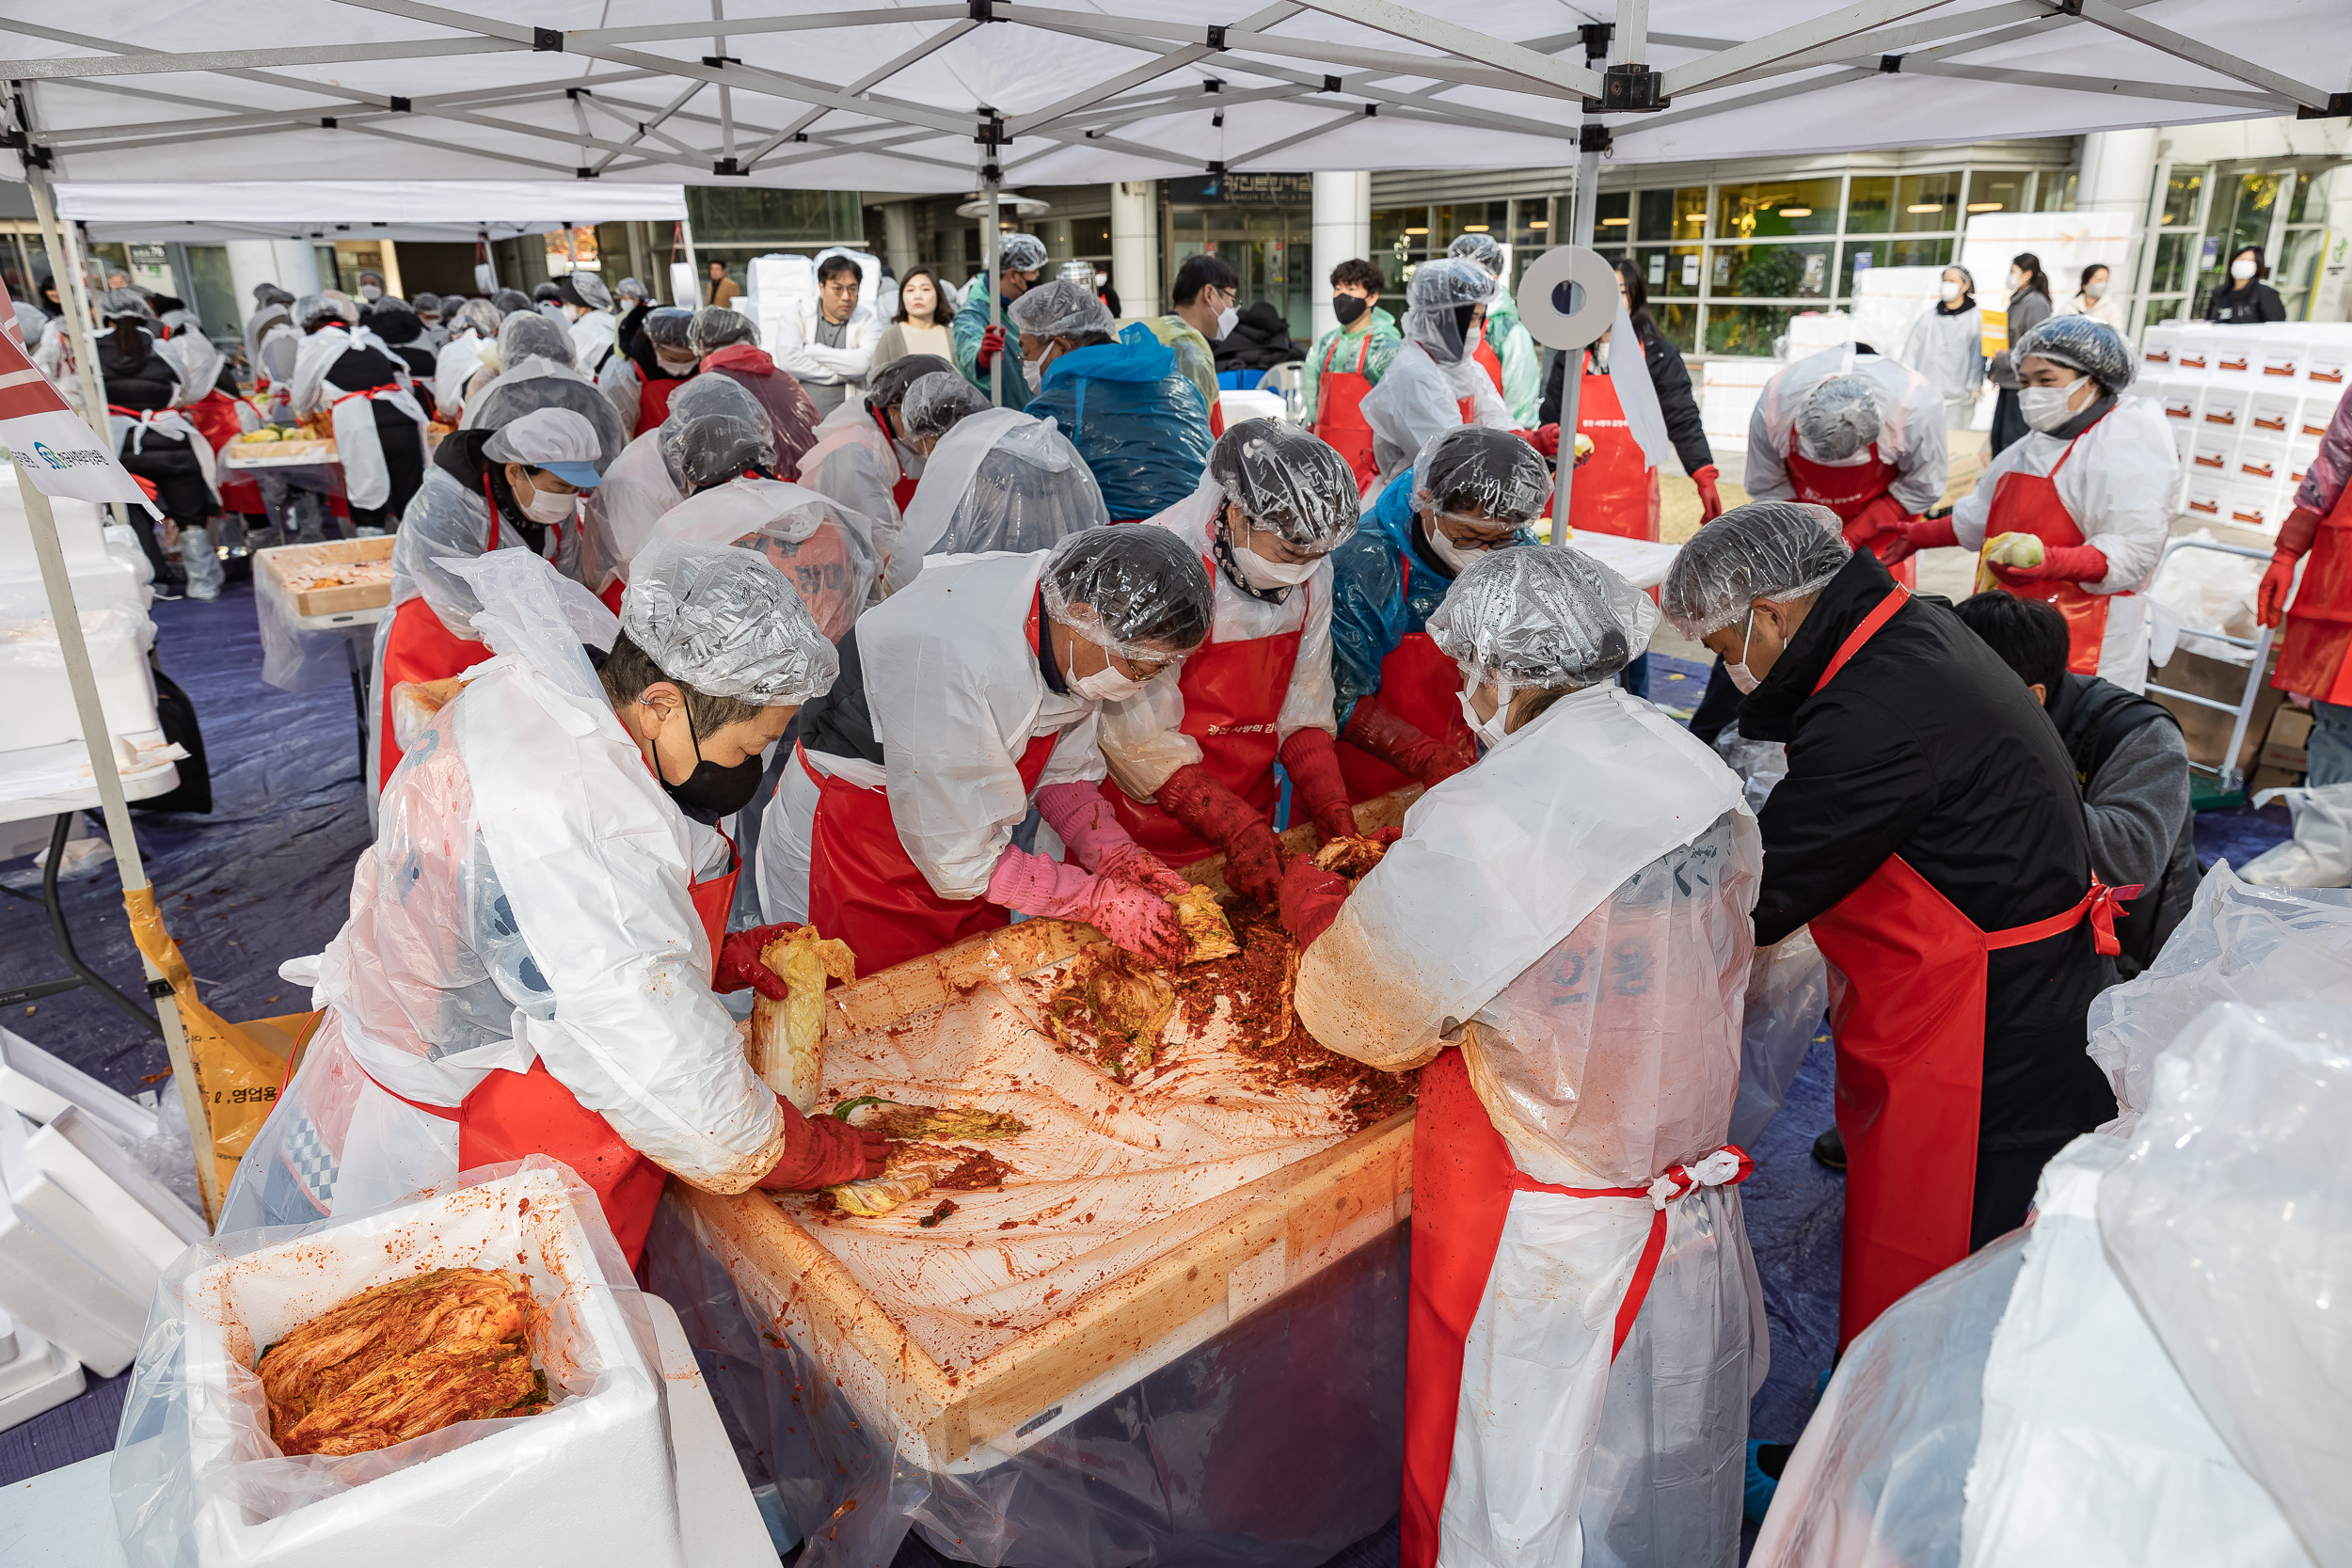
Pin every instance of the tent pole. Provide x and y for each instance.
(1586, 203)
(686, 238)
(99, 740)
(65, 269)
(992, 245)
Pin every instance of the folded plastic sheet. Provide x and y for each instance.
(1273, 1444)
(1787, 1003)
(1877, 1478)
(2229, 1222)
(2239, 942)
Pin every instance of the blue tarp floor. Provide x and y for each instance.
(266, 877)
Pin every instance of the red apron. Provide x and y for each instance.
(1846, 491)
(512, 1115)
(1485, 357)
(863, 888)
(902, 489)
(1420, 683)
(1462, 1178)
(1233, 693)
(1615, 490)
(2029, 503)
(653, 400)
(2319, 623)
(417, 648)
(215, 415)
(1340, 421)
(1909, 1027)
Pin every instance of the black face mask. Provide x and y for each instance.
(1348, 307)
(711, 792)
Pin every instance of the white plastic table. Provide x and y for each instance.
(31, 786)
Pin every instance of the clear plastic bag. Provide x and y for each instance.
(1276, 1442)
(2320, 854)
(1760, 764)
(1787, 999)
(293, 659)
(2229, 1222)
(1877, 1478)
(2238, 943)
(196, 1477)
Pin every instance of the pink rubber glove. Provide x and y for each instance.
(1131, 863)
(1137, 918)
(1084, 820)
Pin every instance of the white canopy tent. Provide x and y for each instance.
(210, 212)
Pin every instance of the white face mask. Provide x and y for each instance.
(547, 507)
(1490, 732)
(2095, 291)
(2016, 281)
(1739, 672)
(1035, 371)
(1227, 320)
(2242, 269)
(1106, 685)
(2045, 408)
(674, 367)
(1257, 571)
(370, 292)
(1454, 555)
(1951, 290)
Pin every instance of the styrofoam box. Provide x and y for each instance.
(2183, 400)
(2224, 406)
(2183, 438)
(141, 1211)
(2192, 349)
(2280, 353)
(2156, 346)
(39, 1085)
(2261, 460)
(2213, 453)
(589, 1480)
(2329, 365)
(2272, 412)
(2254, 506)
(43, 1378)
(2238, 353)
(57, 1294)
(2317, 412)
(40, 709)
(2202, 497)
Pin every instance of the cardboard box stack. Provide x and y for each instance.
(85, 1231)
(2247, 407)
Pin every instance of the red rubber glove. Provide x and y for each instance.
(2294, 538)
(1213, 812)
(2062, 562)
(1544, 438)
(1928, 533)
(1317, 782)
(823, 1152)
(1710, 497)
(1372, 728)
(738, 962)
(992, 344)
(1881, 515)
(1312, 897)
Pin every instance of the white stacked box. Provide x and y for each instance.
(113, 605)
(85, 1231)
(591, 1480)
(35, 1375)
(2255, 402)
(1728, 390)
(774, 287)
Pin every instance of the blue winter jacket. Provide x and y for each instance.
(1372, 607)
(1133, 416)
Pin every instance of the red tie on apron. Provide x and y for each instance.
(1233, 693)
(2029, 503)
(1340, 411)
(1908, 1028)
(1419, 682)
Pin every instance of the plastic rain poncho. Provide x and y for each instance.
(1017, 253)
(2118, 486)
(1135, 418)
(1000, 480)
(1762, 550)
(1911, 427)
(1949, 350)
(728, 342)
(666, 333)
(358, 440)
(859, 461)
(825, 549)
(448, 521)
(1573, 911)
(1143, 738)
(1385, 586)
(527, 897)
(1506, 335)
(647, 480)
(537, 382)
(934, 403)
(1433, 375)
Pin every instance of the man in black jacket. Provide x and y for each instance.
(2129, 758)
(1929, 831)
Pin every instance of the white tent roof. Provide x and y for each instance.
(405, 211)
(891, 96)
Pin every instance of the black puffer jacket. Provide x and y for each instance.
(1258, 341)
(1928, 747)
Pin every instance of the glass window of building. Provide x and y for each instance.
(1778, 208)
(1925, 203)
(2004, 191)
